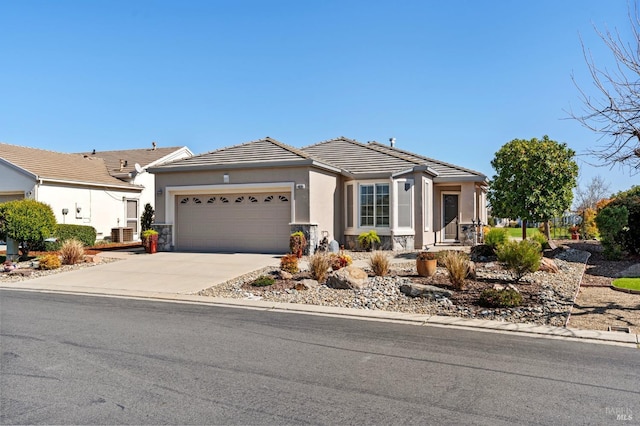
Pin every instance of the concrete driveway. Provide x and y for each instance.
(173, 273)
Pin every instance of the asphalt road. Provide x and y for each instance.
(91, 360)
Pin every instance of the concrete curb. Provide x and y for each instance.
(531, 330)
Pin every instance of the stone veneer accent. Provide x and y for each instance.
(311, 233)
(165, 240)
(387, 242)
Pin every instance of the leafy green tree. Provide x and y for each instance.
(28, 222)
(534, 181)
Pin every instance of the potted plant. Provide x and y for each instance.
(368, 239)
(575, 232)
(426, 263)
(297, 243)
(150, 241)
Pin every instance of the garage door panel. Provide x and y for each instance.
(233, 222)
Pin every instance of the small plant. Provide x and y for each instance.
(495, 237)
(297, 243)
(50, 261)
(263, 281)
(367, 240)
(427, 255)
(380, 263)
(541, 240)
(520, 257)
(339, 261)
(72, 252)
(289, 263)
(319, 264)
(506, 298)
(457, 264)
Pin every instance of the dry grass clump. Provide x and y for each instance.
(319, 264)
(72, 252)
(457, 265)
(380, 263)
(49, 261)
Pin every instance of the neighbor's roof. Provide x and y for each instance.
(144, 157)
(56, 166)
(265, 152)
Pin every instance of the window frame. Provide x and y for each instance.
(375, 205)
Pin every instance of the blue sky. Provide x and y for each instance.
(451, 80)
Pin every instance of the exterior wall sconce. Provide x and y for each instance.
(65, 212)
(225, 178)
(159, 192)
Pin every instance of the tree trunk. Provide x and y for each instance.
(524, 229)
(547, 233)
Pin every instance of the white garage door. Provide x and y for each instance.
(248, 222)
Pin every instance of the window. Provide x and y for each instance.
(132, 215)
(404, 204)
(374, 205)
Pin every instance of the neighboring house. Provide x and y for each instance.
(130, 165)
(250, 197)
(84, 189)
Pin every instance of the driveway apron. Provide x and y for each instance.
(173, 273)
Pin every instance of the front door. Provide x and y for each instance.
(450, 216)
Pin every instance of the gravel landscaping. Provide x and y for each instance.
(548, 297)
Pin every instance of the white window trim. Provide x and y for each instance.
(404, 230)
(374, 183)
(427, 203)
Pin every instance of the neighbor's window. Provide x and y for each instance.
(374, 205)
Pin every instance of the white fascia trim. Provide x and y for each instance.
(92, 184)
(169, 157)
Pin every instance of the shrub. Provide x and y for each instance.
(588, 226)
(297, 243)
(28, 222)
(612, 221)
(367, 240)
(457, 265)
(629, 236)
(380, 263)
(72, 252)
(520, 257)
(319, 265)
(506, 298)
(263, 281)
(289, 263)
(85, 234)
(147, 217)
(541, 240)
(50, 261)
(495, 237)
(339, 261)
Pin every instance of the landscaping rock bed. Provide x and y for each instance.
(547, 297)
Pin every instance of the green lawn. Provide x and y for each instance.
(517, 232)
(629, 283)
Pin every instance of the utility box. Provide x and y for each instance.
(121, 235)
(13, 249)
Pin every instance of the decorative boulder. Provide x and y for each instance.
(471, 271)
(426, 291)
(306, 284)
(334, 247)
(350, 277)
(285, 275)
(548, 265)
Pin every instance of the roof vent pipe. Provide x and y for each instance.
(153, 146)
(392, 142)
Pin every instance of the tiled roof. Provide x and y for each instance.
(356, 157)
(129, 157)
(58, 166)
(444, 170)
(261, 151)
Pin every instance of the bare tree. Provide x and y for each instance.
(588, 196)
(615, 113)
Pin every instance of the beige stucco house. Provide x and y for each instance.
(250, 197)
(105, 190)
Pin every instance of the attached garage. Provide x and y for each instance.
(234, 222)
